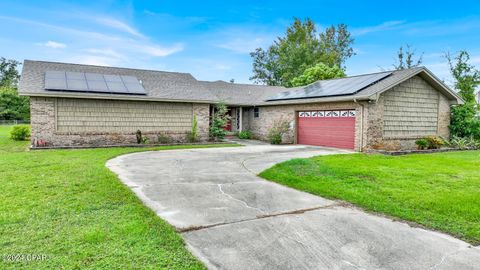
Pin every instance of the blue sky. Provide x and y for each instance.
(212, 39)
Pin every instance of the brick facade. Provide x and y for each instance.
(89, 122)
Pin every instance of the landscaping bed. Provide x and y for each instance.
(66, 210)
(440, 191)
(425, 151)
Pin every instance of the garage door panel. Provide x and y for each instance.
(326, 131)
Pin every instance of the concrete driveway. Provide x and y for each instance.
(232, 219)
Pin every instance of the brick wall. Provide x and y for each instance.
(88, 122)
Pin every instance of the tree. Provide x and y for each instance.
(8, 73)
(464, 120)
(405, 59)
(220, 120)
(466, 76)
(13, 106)
(318, 72)
(301, 48)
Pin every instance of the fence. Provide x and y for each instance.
(14, 122)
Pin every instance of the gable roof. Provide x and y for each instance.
(183, 87)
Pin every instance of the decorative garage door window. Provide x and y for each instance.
(342, 113)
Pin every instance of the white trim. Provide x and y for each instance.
(240, 120)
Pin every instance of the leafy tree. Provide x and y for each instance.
(8, 73)
(318, 72)
(13, 106)
(466, 76)
(464, 120)
(220, 120)
(301, 48)
(405, 59)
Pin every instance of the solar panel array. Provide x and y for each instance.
(92, 82)
(334, 87)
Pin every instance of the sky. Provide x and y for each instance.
(212, 39)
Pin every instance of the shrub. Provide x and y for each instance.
(464, 121)
(220, 120)
(464, 143)
(421, 144)
(278, 129)
(192, 135)
(434, 142)
(20, 132)
(163, 138)
(140, 138)
(245, 134)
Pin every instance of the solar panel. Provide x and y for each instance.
(92, 82)
(333, 87)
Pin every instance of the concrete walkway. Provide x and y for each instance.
(232, 219)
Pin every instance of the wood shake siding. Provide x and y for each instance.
(109, 116)
(411, 110)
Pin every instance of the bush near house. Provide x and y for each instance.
(245, 134)
(220, 120)
(278, 129)
(192, 135)
(20, 132)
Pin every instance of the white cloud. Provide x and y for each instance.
(119, 25)
(120, 47)
(159, 51)
(93, 60)
(388, 25)
(54, 45)
(106, 52)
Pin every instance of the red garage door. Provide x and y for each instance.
(327, 128)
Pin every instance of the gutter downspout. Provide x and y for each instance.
(362, 124)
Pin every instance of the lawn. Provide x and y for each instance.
(66, 205)
(439, 191)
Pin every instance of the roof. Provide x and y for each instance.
(333, 87)
(183, 87)
(159, 85)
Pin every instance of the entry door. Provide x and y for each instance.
(327, 128)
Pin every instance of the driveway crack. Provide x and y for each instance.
(238, 200)
(293, 212)
(445, 257)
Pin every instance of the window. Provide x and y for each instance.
(256, 112)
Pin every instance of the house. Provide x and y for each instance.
(85, 105)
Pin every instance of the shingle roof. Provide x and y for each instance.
(159, 85)
(174, 86)
(241, 94)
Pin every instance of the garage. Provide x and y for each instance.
(335, 128)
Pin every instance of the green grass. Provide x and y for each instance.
(67, 205)
(439, 191)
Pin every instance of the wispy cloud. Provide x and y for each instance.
(119, 25)
(388, 25)
(120, 46)
(160, 51)
(53, 44)
(105, 52)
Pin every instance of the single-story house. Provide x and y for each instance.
(85, 105)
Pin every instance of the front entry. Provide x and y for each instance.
(327, 128)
